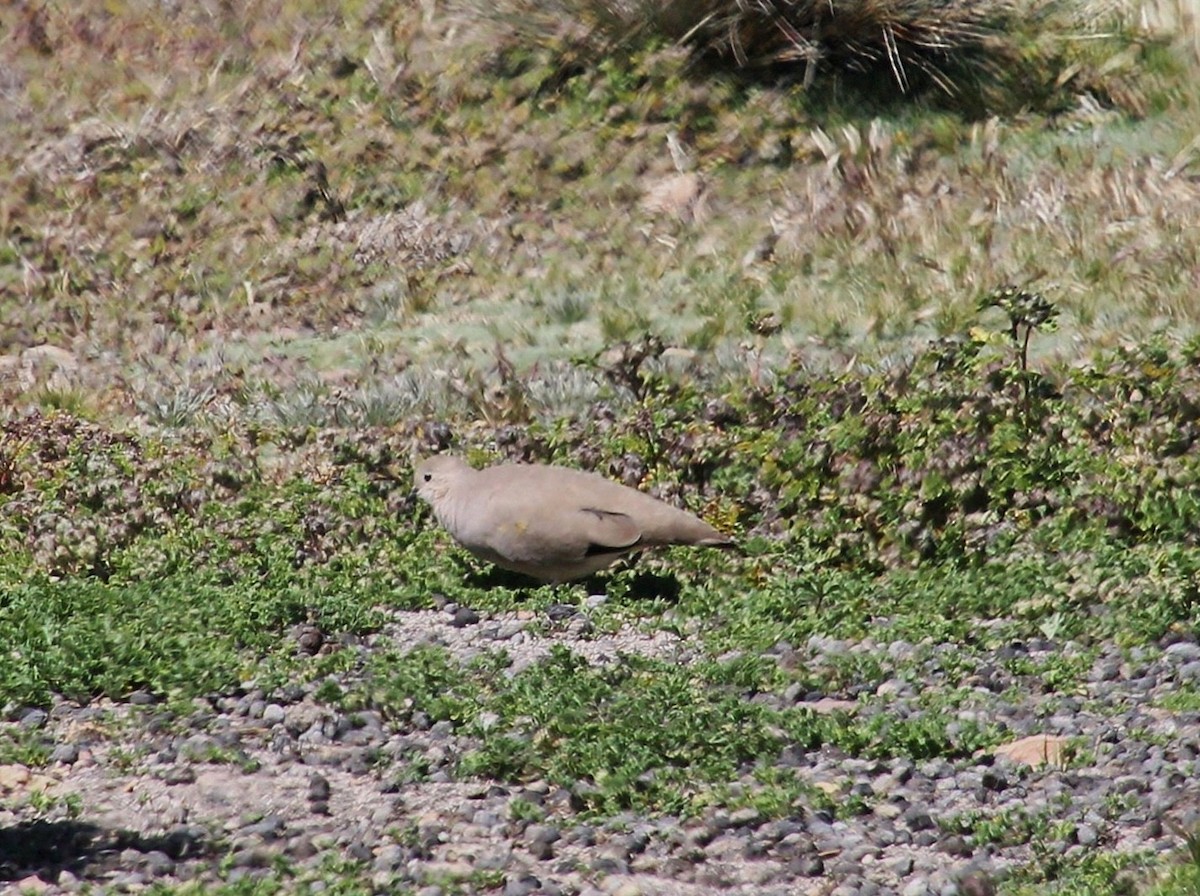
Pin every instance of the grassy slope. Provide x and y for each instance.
(172, 187)
(172, 194)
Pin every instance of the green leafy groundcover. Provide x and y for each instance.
(960, 496)
(640, 733)
(82, 638)
(176, 636)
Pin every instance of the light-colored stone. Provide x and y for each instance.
(13, 776)
(1035, 750)
(31, 884)
(829, 705)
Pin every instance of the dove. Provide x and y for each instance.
(548, 522)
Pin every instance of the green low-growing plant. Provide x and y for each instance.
(642, 733)
(1091, 873)
(216, 754)
(1175, 880)
(867, 501)
(1183, 699)
(521, 810)
(332, 875)
(1008, 827)
(24, 746)
(45, 805)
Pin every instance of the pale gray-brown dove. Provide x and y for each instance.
(551, 523)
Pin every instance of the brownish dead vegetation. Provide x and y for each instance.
(280, 206)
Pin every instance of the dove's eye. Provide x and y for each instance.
(428, 477)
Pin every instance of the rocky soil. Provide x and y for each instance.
(136, 795)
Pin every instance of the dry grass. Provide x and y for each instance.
(212, 204)
(914, 41)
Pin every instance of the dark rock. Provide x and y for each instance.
(1176, 647)
(976, 883)
(391, 858)
(319, 789)
(157, 863)
(994, 780)
(956, 846)
(918, 819)
(464, 616)
(184, 841)
(179, 774)
(33, 719)
(254, 857)
(610, 865)
(359, 851)
(291, 693)
(66, 753)
(269, 828)
(901, 867)
(584, 835)
(542, 833)
(486, 818)
(807, 866)
(521, 885)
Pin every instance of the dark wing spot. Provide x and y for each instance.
(624, 534)
(601, 514)
(597, 550)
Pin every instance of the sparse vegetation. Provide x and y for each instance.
(244, 219)
(900, 292)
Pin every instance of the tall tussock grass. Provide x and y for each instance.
(984, 55)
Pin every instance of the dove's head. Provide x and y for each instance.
(435, 476)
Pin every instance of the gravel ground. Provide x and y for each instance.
(220, 794)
